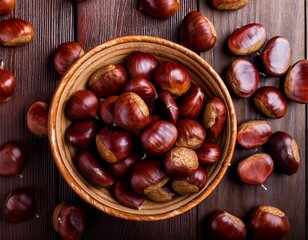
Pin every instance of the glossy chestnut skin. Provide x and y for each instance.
(267, 223)
(108, 81)
(158, 137)
(243, 78)
(254, 133)
(222, 225)
(12, 159)
(167, 106)
(208, 153)
(296, 82)
(191, 103)
(123, 167)
(162, 194)
(106, 109)
(82, 104)
(19, 206)
(160, 9)
(7, 84)
(113, 144)
(247, 40)
(270, 102)
(284, 150)
(6, 7)
(69, 220)
(140, 64)
(37, 118)
(172, 77)
(65, 55)
(15, 32)
(277, 56)
(255, 169)
(228, 4)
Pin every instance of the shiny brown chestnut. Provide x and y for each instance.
(92, 169)
(123, 167)
(267, 223)
(172, 77)
(242, 77)
(208, 153)
(12, 159)
(158, 137)
(167, 107)
(7, 84)
(65, 55)
(296, 82)
(284, 150)
(15, 32)
(82, 104)
(69, 220)
(228, 4)
(222, 225)
(19, 206)
(37, 118)
(113, 144)
(247, 39)
(106, 109)
(162, 194)
(270, 102)
(160, 9)
(254, 133)
(277, 56)
(197, 32)
(6, 7)
(108, 81)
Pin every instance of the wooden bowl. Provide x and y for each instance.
(116, 51)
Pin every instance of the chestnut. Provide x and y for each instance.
(106, 109)
(69, 220)
(208, 153)
(108, 81)
(82, 104)
(123, 167)
(65, 55)
(222, 225)
(284, 150)
(191, 103)
(12, 159)
(168, 107)
(296, 82)
(160, 9)
(254, 133)
(7, 84)
(172, 77)
(247, 39)
(228, 4)
(270, 102)
(19, 206)
(6, 7)
(15, 32)
(197, 32)
(113, 144)
(242, 77)
(158, 137)
(267, 223)
(277, 56)
(37, 118)
(162, 194)
(190, 134)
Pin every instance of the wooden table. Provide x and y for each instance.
(95, 21)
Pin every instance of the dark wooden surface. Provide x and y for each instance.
(95, 21)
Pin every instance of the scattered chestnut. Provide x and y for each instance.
(172, 77)
(69, 220)
(158, 137)
(168, 107)
(284, 150)
(37, 118)
(296, 82)
(243, 78)
(208, 153)
(247, 39)
(6, 7)
(254, 133)
(65, 55)
(270, 102)
(222, 225)
(228, 4)
(106, 109)
(267, 223)
(123, 167)
(15, 32)
(12, 159)
(19, 206)
(7, 84)
(108, 81)
(277, 56)
(160, 9)
(162, 194)
(197, 32)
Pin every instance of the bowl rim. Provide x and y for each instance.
(70, 179)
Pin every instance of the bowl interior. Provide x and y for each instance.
(116, 51)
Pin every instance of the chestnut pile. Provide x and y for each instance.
(145, 129)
